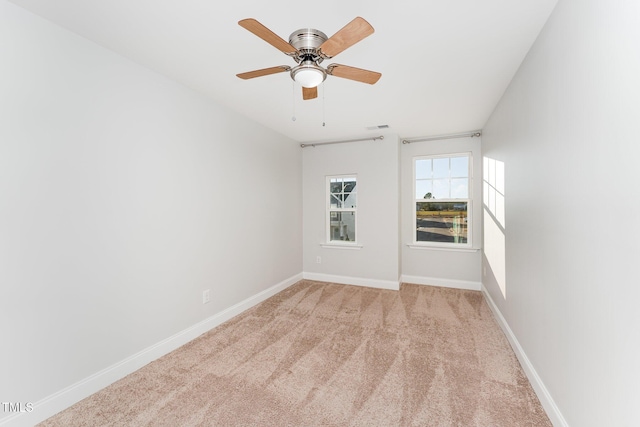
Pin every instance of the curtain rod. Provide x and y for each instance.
(313, 144)
(473, 134)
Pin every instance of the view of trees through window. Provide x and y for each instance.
(442, 199)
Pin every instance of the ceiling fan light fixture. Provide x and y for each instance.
(309, 75)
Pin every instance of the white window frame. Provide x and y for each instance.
(329, 210)
(468, 200)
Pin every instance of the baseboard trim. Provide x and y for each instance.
(68, 396)
(445, 283)
(544, 396)
(358, 281)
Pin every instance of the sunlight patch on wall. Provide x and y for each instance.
(493, 191)
(494, 250)
(493, 188)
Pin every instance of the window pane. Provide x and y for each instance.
(350, 194)
(423, 169)
(348, 185)
(441, 222)
(335, 187)
(342, 226)
(441, 168)
(349, 201)
(424, 189)
(459, 167)
(335, 200)
(441, 189)
(460, 188)
(349, 182)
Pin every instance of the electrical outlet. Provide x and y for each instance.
(318, 260)
(206, 296)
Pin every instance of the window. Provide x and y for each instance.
(442, 202)
(341, 209)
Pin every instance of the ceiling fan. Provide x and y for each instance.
(309, 47)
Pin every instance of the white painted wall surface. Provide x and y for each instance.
(433, 266)
(567, 133)
(123, 195)
(375, 163)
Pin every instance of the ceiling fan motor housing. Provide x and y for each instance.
(307, 41)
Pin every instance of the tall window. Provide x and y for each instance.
(341, 208)
(442, 201)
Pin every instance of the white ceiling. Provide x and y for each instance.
(444, 64)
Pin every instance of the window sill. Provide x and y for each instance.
(442, 248)
(351, 246)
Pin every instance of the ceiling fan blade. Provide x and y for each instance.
(349, 35)
(353, 73)
(267, 35)
(309, 92)
(263, 72)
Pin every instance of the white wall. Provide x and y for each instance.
(435, 266)
(375, 163)
(566, 131)
(124, 195)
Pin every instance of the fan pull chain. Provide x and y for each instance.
(293, 101)
(324, 87)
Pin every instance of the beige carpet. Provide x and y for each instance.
(320, 354)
